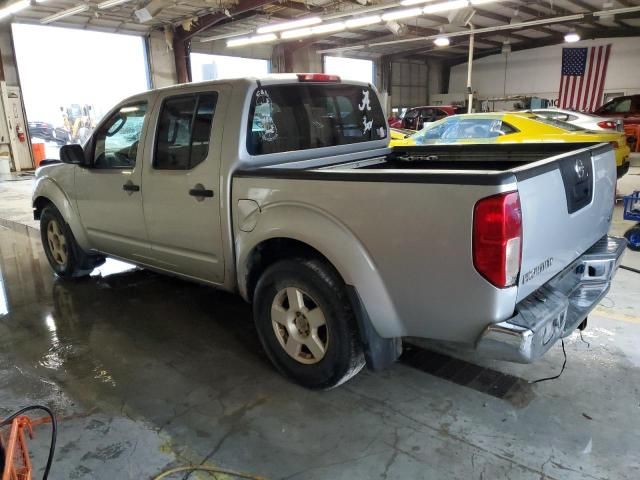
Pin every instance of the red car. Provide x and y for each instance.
(626, 108)
(415, 118)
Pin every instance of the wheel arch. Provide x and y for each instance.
(46, 193)
(289, 231)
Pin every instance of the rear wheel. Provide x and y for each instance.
(306, 325)
(633, 237)
(65, 256)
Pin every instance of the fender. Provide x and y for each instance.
(51, 188)
(318, 229)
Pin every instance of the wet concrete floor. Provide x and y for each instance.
(146, 372)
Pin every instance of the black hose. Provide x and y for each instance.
(634, 270)
(54, 431)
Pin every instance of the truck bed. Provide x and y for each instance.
(493, 157)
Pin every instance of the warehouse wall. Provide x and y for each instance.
(536, 72)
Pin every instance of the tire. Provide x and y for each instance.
(286, 297)
(64, 254)
(633, 238)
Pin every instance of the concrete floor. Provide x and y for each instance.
(146, 372)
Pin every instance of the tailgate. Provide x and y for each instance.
(567, 206)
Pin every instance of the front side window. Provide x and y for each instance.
(117, 140)
(298, 117)
(184, 130)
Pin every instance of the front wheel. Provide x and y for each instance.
(64, 254)
(633, 238)
(306, 324)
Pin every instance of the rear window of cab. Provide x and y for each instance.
(285, 118)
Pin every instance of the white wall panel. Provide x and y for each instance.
(537, 71)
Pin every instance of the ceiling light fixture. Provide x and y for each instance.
(363, 21)
(441, 41)
(572, 37)
(445, 6)
(406, 3)
(328, 28)
(111, 3)
(241, 42)
(14, 8)
(294, 24)
(297, 33)
(481, 2)
(65, 13)
(400, 14)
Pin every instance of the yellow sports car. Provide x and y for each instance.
(511, 128)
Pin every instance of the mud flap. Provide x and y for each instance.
(379, 352)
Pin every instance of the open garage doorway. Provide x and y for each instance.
(70, 78)
(215, 67)
(350, 68)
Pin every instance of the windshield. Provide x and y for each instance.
(299, 117)
(451, 129)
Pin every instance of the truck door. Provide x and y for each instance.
(182, 184)
(109, 192)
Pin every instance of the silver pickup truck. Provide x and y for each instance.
(283, 190)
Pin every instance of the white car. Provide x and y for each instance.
(587, 121)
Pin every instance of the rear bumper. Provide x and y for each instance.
(556, 309)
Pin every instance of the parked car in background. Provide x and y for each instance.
(48, 132)
(415, 118)
(626, 108)
(514, 128)
(588, 121)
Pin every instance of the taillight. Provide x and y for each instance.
(497, 238)
(607, 124)
(317, 77)
(615, 145)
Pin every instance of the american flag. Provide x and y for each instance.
(583, 74)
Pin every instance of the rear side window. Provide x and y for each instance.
(184, 130)
(569, 127)
(298, 117)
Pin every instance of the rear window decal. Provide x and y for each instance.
(264, 105)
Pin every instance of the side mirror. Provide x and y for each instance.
(73, 154)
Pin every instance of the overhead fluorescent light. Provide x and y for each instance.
(14, 8)
(111, 3)
(278, 27)
(328, 28)
(225, 36)
(481, 2)
(400, 14)
(445, 6)
(363, 21)
(441, 41)
(297, 33)
(616, 11)
(406, 3)
(572, 37)
(65, 13)
(241, 42)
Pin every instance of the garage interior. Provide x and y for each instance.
(147, 372)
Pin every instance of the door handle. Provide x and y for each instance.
(201, 192)
(130, 187)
